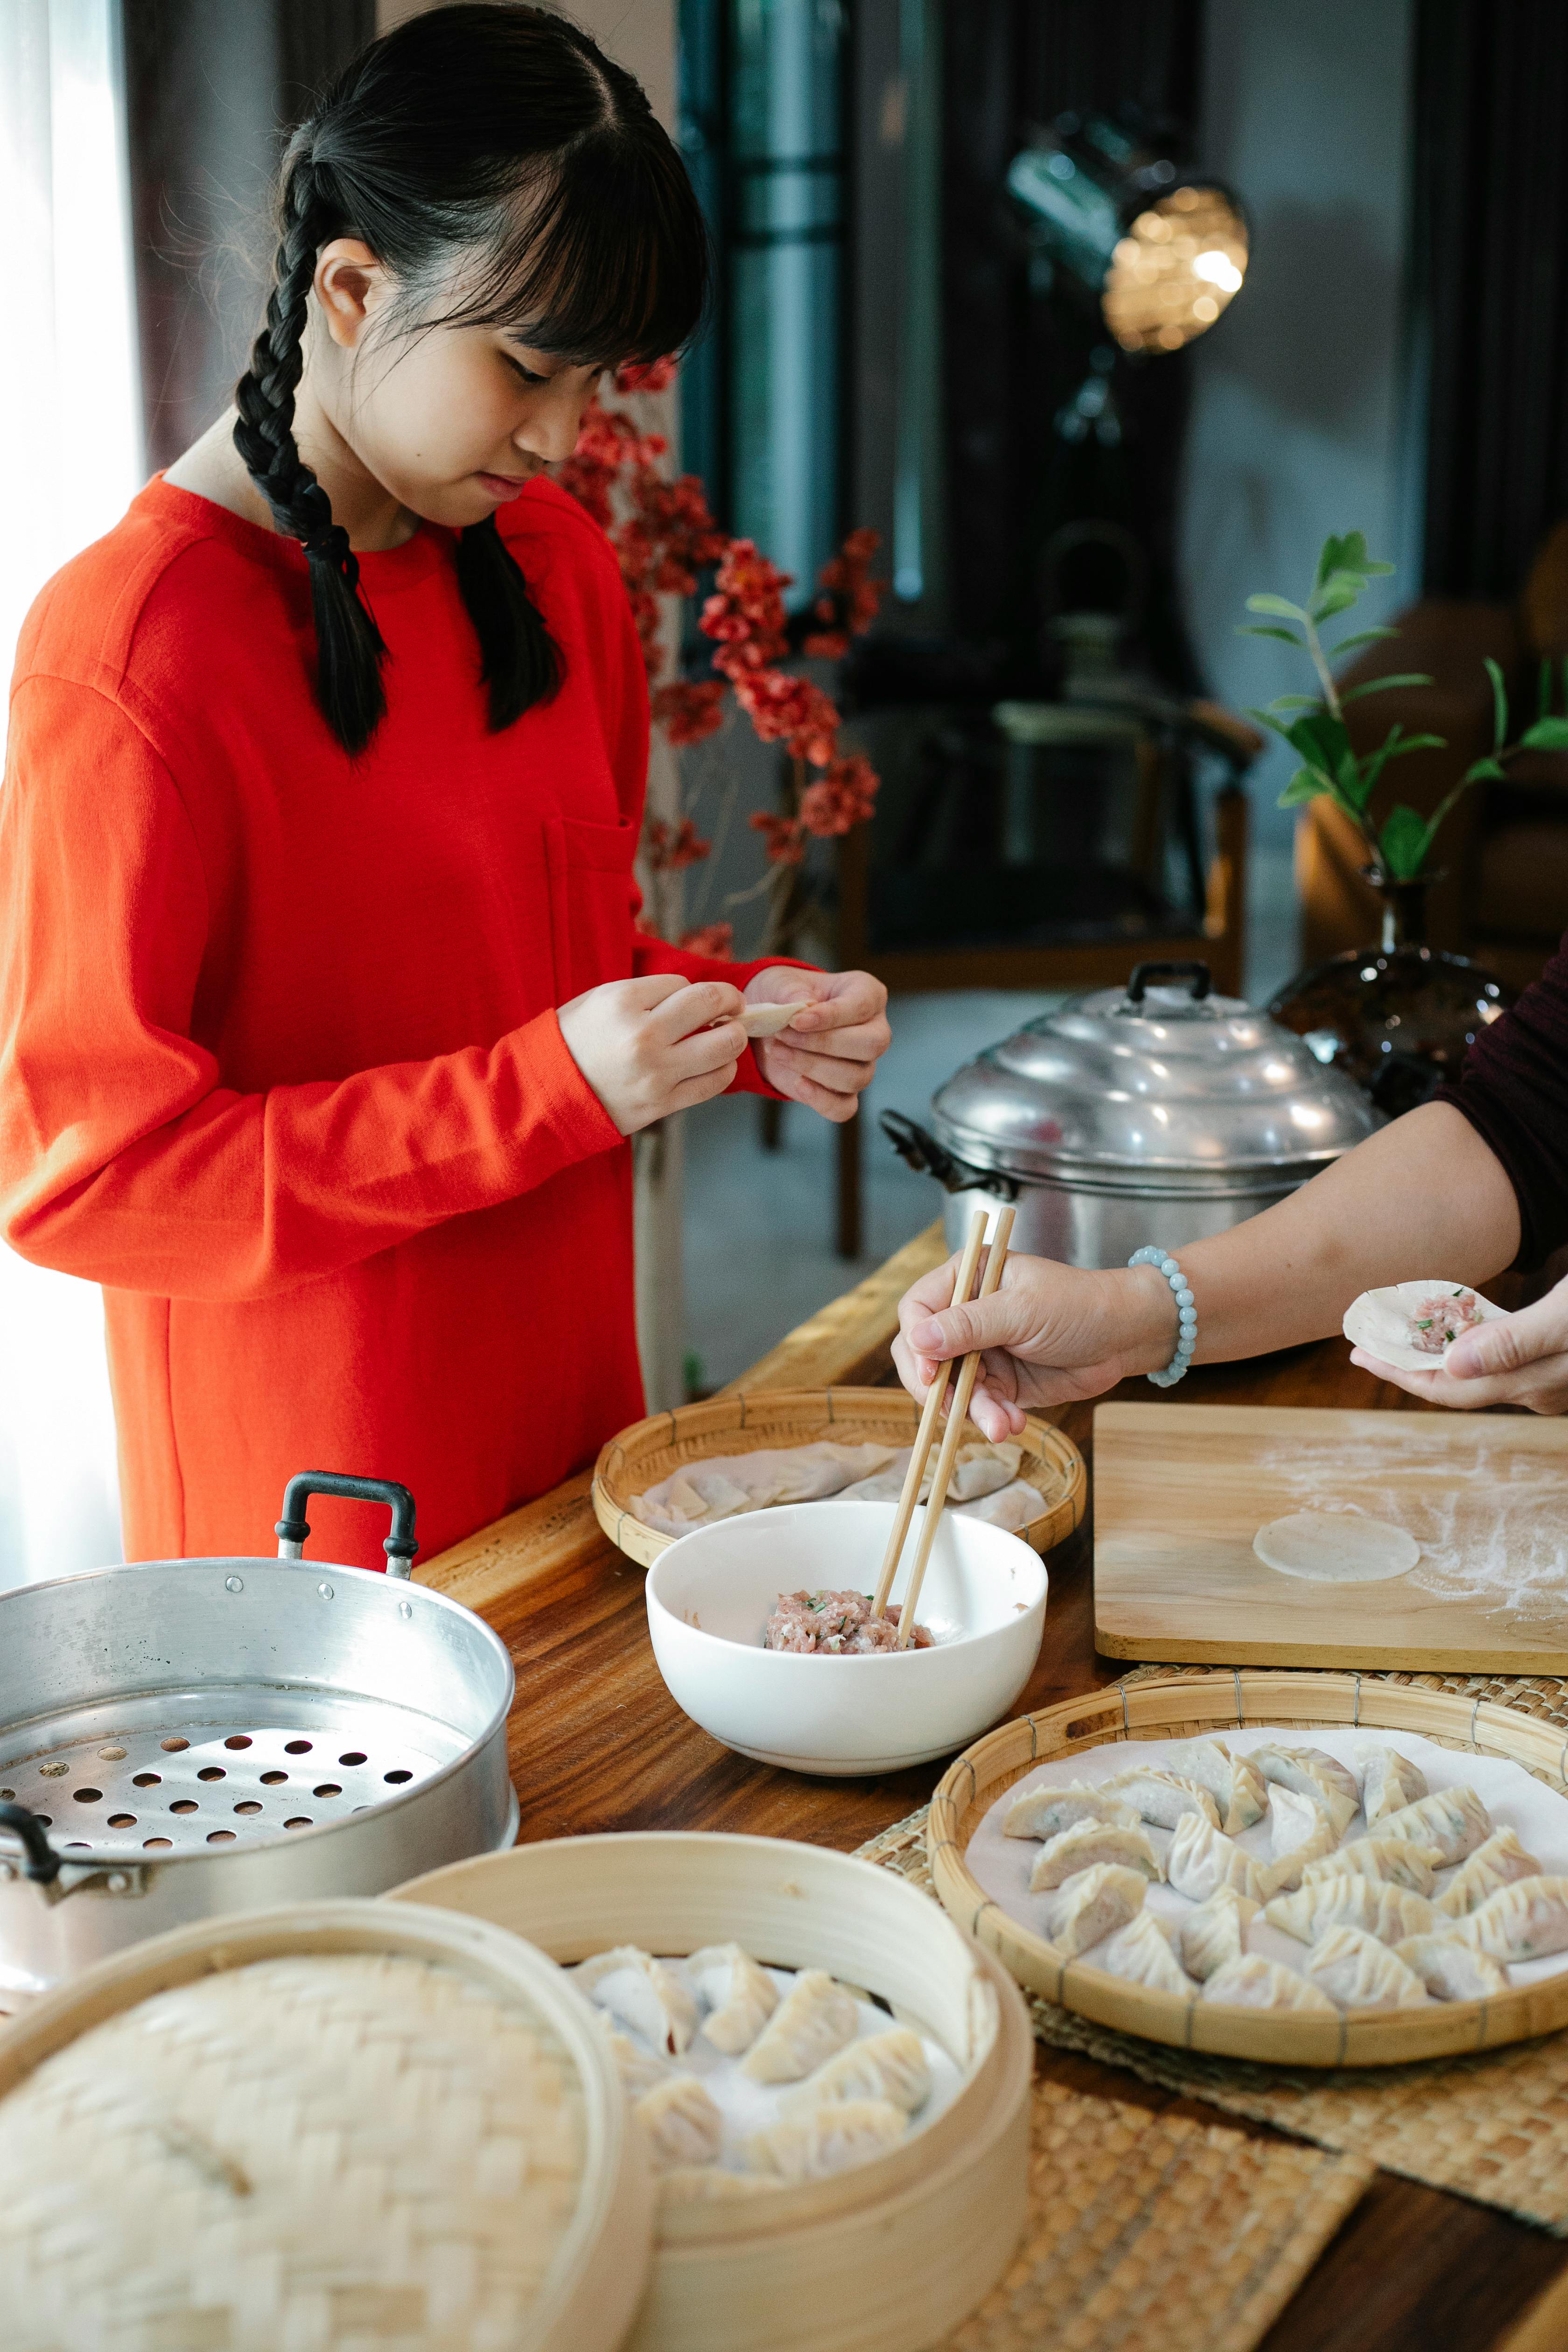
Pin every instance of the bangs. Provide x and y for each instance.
(605, 263)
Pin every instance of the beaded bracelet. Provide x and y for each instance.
(1186, 1313)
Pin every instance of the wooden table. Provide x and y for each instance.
(596, 1743)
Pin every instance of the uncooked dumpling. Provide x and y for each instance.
(1412, 1325)
(1045, 1810)
(1336, 1548)
(1389, 1782)
(810, 2025)
(1497, 1864)
(1163, 1797)
(1202, 1859)
(1234, 1783)
(1253, 1982)
(769, 1020)
(1451, 1971)
(1359, 1973)
(1141, 1953)
(681, 2122)
(1091, 1904)
(1086, 1843)
(1216, 1933)
(1393, 1860)
(1301, 1832)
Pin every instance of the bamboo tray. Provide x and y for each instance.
(1188, 1705)
(650, 1450)
(888, 2257)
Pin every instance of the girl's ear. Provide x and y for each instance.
(350, 285)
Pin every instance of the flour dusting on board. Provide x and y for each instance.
(1491, 1529)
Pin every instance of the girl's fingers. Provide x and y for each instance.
(864, 1041)
(709, 1049)
(840, 1077)
(1541, 1387)
(694, 1007)
(1514, 1344)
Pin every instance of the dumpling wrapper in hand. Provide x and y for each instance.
(1387, 1322)
(770, 1020)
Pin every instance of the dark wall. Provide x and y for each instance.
(1491, 284)
(1014, 358)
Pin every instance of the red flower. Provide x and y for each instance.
(746, 613)
(783, 837)
(646, 375)
(842, 798)
(689, 709)
(711, 940)
(788, 710)
(669, 853)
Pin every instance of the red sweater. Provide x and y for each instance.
(279, 1066)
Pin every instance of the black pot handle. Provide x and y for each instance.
(927, 1157)
(42, 1864)
(293, 1527)
(1150, 975)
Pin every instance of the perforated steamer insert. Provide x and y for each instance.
(183, 1738)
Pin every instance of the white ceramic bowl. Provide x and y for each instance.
(711, 1593)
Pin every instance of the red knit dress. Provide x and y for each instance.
(279, 1065)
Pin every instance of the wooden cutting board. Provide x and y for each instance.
(1180, 1491)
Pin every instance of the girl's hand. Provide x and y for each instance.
(1522, 1360)
(827, 1060)
(649, 1046)
(1050, 1334)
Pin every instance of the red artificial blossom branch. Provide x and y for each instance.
(664, 537)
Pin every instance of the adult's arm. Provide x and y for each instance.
(1513, 1090)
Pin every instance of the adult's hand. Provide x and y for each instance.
(1049, 1334)
(650, 1047)
(828, 1058)
(1520, 1359)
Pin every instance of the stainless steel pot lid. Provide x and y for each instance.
(1163, 1075)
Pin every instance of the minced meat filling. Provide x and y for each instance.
(836, 1625)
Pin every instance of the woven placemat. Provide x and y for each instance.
(1493, 2127)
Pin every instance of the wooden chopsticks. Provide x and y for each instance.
(942, 1475)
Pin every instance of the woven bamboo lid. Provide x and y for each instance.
(335, 2124)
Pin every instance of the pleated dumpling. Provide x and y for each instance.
(1235, 1783)
(1455, 1821)
(1142, 1954)
(1301, 1832)
(1452, 1970)
(1524, 1921)
(740, 1995)
(1389, 1782)
(812, 2023)
(638, 2069)
(682, 2121)
(1358, 1972)
(1495, 1863)
(890, 2066)
(1310, 1772)
(708, 2184)
(643, 1993)
(1093, 1904)
(1202, 1858)
(1216, 1933)
(1164, 1798)
(1045, 1811)
(829, 2139)
(1393, 1860)
(1348, 1900)
(1086, 1843)
(1253, 1982)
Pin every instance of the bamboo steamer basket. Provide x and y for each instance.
(771, 1419)
(1231, 1698)
(399, 2248)
(888, 2257)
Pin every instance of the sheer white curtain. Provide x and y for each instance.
(71, 419)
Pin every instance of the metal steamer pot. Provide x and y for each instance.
(1161, 1114)
(183, 1738)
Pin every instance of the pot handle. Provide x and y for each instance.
(1149, 975)
(927, 1157)
(42, 1864)
(293, 1527)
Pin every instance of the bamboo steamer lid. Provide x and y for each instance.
(333, 2126)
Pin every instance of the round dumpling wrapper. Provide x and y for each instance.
(1336, 1548)
(1379, 1321)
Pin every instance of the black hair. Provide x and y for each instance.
(500, 133)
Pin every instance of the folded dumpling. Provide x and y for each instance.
(829, 2139)
(1093, 1904)
(740, 1995)
(1216, 1933)
(682, 2122)
(1086, 1843)
(1358, 1972)
(1301, 1832)
(1310, 1772)
(1393, 1860)
(1455, 1821)
(1253, 1982)
(890, 2066)
(1044, 1812)
(1495, 1863)
(1163, 1798)
(1235, 1783)
(638, 2069)
(1141, 1953)
(1389, 1782)
(707, 2184)
(643, 1993)
(1348, 1900)
(1521, 1922)
(812, 2023)
(1202, 1858)
(1452, 1970)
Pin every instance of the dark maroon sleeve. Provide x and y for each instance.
(1513, 1089)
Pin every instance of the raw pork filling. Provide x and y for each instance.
(836, 1625)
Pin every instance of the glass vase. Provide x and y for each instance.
(1398, 1017)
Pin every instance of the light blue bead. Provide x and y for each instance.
(1184, 1296)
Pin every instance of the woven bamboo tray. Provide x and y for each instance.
(1183, 1705)
(650, 1450)
(888, 2257)
(237, 2256)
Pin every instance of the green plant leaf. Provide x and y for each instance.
(1419, 743)
(1376, 571)
(1382, 685)
(1402, 841)
(1483, 771)
(1320, 738)
(1547, 735)
(1499, 704)
(1277, 605)
(1339, 595)
(1297, 702)
(1361, 637)
(1303, 786)
(1286, 636)
(1331, 559)
(1353, 549)
(1266, 718)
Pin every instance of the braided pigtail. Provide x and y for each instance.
(518, 659)
(349, 647)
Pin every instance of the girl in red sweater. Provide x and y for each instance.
(323, 1020)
